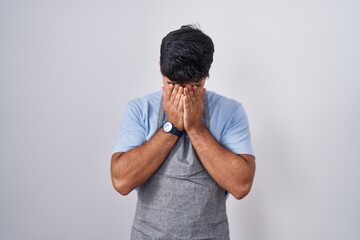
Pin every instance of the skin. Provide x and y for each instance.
(184, 107)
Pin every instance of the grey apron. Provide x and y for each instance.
(181, 200)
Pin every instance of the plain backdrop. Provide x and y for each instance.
(67, 69)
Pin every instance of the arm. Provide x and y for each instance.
(234, 173)
(133, 168)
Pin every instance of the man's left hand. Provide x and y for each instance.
(193, 107)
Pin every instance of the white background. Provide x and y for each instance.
(67, 69)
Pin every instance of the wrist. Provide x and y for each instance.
(169, 127)
(195, 129)
(178, 125)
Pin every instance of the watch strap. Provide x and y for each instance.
(176, 131)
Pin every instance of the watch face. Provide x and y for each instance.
(167, 126)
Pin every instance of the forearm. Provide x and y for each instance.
(133, 168)
(234, 173)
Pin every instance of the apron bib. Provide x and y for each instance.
(181, 200)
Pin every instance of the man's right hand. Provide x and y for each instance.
(173, 95)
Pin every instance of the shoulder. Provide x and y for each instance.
(144, 109)
(224, 114)
(147, 102)
(219, 103)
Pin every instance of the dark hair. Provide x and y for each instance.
(186, 55)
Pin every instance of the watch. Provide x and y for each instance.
(168, 127)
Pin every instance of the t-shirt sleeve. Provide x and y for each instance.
(132, 130)
(237, 135)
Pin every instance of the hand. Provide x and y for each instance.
(193, 107)
(174, 105)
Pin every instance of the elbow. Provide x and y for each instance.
(121, 187)
(242, 191)
(119, 182)
(243, 185)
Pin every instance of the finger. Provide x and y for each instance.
(168, 89)
(181, 103)
(196, 93)
(186, 103)
(200, 94)
(186, 91)
(186, 94)
(174, 92)
(192, 95)
(178, 96)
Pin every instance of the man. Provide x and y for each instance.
(183, 149)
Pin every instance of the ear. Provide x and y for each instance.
(164, 80)
(204, 82)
